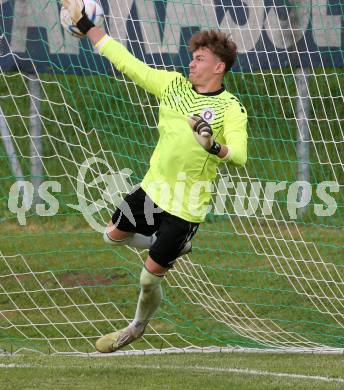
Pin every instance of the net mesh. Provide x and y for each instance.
(264, 273)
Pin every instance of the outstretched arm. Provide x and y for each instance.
(152, 80)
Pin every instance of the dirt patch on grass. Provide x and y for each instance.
(73, 279)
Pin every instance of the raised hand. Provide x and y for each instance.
(76, 9)
(204, 134)
(202, 131)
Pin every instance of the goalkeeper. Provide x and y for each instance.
(200, 125)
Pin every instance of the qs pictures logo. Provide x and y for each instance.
(96, 191)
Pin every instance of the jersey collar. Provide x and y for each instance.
(210, 93)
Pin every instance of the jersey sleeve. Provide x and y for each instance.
(235, 134)
(152, 80)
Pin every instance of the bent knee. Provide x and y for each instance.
(113, 241)
(149, 280)
(114, 236)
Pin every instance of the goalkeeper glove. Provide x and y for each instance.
(204, 134)
(76, 9)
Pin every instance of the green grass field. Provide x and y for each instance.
(71, 267)
(186, 371)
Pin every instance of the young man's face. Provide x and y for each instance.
(205, 66)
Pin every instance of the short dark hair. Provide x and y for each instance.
(218, 42)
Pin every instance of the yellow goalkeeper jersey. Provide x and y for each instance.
(181, 172)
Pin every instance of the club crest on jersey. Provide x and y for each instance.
(208, 114)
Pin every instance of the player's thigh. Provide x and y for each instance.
(116, 234)
(130, 216)
(172, 235)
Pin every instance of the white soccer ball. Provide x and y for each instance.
(93, 10)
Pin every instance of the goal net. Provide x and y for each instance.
(266, 271)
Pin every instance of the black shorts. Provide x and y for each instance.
(139, 214)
